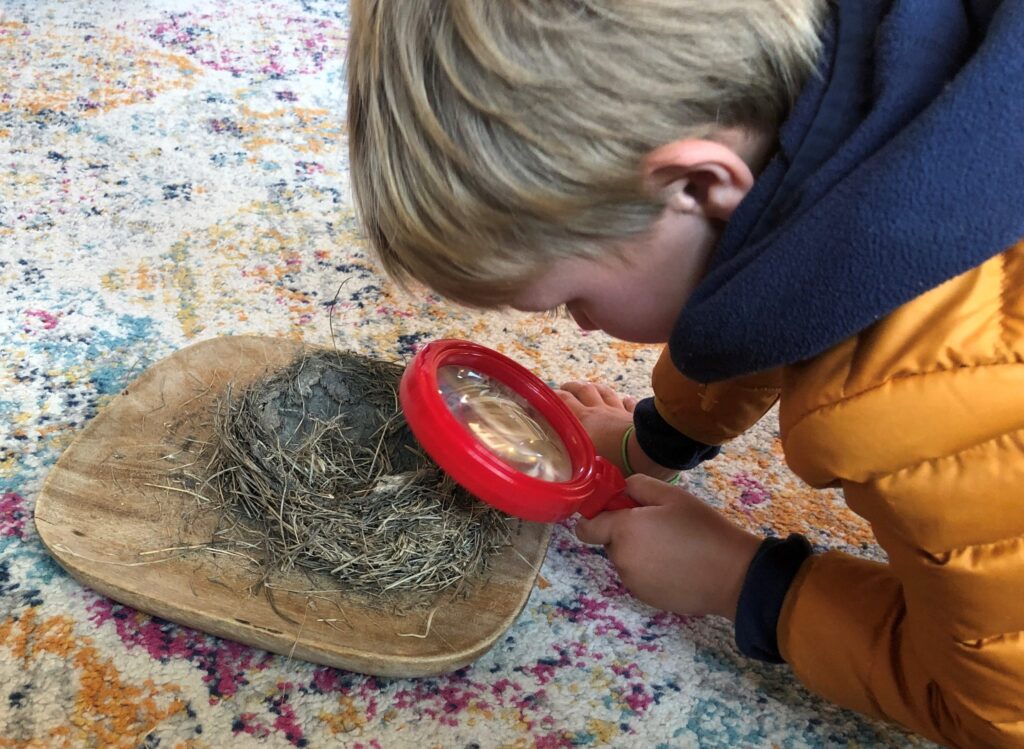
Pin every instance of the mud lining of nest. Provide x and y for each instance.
(315, 466)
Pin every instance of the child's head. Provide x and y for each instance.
(494, 140)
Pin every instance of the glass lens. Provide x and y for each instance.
(505, 423)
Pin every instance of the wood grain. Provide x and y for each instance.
(103, 516)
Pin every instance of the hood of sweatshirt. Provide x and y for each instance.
(900, 166)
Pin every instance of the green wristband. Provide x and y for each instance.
(624, 455)
(624, 452)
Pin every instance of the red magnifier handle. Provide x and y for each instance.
(609, 493)
(621, 502)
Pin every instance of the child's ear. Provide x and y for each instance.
(698, 176)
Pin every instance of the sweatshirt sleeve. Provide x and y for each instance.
(933, 640)
(686, 422)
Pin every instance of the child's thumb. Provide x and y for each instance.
(596, 531)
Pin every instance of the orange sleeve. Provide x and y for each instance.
(934, 640)
(713, 413)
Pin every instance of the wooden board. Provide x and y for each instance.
(104, 518)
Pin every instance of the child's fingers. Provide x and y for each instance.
(585, 393)
(590, 394)
(570, 400)
(609, 396)
(647, 490)
(597, 531)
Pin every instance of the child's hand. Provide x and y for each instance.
(675, 553)
(606, 416)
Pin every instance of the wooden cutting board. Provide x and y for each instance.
(104, 516)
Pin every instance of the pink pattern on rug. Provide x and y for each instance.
(48, 321)
(206, 37)
(226, 663)
(752, 491)
(12, 515)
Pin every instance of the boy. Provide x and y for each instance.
(813, 202)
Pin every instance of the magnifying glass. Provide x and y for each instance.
(505, 436)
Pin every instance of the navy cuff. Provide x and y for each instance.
(769, 576)
(664, 444)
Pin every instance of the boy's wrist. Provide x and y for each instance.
(664, 444)
(640, 463)
(744, 547)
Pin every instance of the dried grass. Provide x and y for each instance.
(314, 468)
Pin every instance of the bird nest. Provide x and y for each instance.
(315, 466)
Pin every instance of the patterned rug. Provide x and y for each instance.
(173, 171)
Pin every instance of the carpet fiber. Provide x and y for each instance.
(175, 171)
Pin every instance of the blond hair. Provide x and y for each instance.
(489, 138)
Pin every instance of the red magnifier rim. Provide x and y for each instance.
(471, 464)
